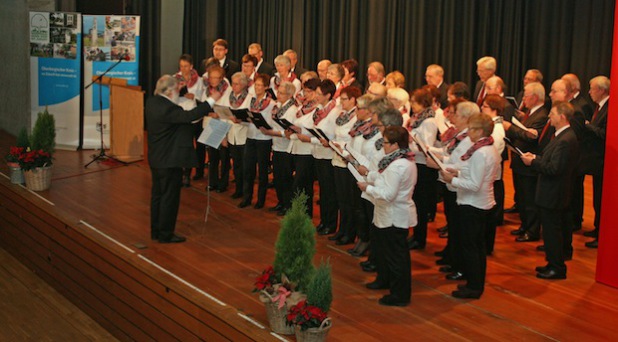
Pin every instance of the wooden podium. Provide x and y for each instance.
(126, 117)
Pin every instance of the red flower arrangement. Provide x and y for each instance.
(14, 153)
(32, 159)
(306, 316)
(266, 280)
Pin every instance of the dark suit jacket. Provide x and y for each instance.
(477, 90)
(266, 68)
(443, 88)
(556, 168)
(170, 133)
(584, 106)
(520, 96)
(593, 143)
(231, 67)
(298, 70)
(536, 121)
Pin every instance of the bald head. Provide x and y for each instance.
(323, 68)
(494, 86)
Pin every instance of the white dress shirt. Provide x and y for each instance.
(475, 181)
(427, 132)
(281, 144)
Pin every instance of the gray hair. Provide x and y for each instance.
(436, 69)
(488, 62)
(537, 89)
(602, 82)
(467, 108)
(289, 87)
(573, 80)
(399, 94)
(363, 101)
(390, 117)
(380, 104)
(283, 59)
(244, 80)
(165, 85)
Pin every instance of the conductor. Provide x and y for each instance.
(170, 148)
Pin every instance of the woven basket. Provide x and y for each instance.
(38, 179)
(276, 317)
(314, 334)
(17, 174)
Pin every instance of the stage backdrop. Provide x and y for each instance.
(55, 56)
(107, 39)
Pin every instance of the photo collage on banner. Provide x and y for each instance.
(109, 40)
(55, 57)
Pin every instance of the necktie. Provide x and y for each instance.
(545, 131)
(479, 100)
(596, 112)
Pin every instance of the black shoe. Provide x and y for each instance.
(389, 300)
(236, 196)
(518, 231)
(198, 176)
(361, 250)
(442, 262)
(540, 248)
(461, 286)
(335, 237)
(511, 210)
(443, 235)
(353, 249)
(244, 204)
(327, 231)
(375, 285)
(282, 212)
(541, 269)
(174, 239)
(278, 207)
(593, 244)
(467, 293)
(320, 227)
(344, 241)
(220, 190)
(211, 188)
(369, 268)
(439, 253)
(446, 269)
(591, 233)
(551, 274)
(442, 229)
(365, 263)
(258, 205)
(186, 181)
(526, 238)
(413, 244)
(455, 276)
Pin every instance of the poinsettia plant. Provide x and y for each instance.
(306, 316)
(36, 158)
(14, 153)
(266, 280)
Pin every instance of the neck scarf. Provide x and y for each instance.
(379, 144)
(258, 106)
(449, 134)
(345, 117)
(278, 113)
(320, 114)
(235, 102)
(193, 77)
(417, 119)
(365, 128)
(398, 154)
(487, 141)
(306, 108)
(454, 141)
(220, 88)
(278, 79)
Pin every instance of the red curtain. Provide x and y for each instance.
(607, 267)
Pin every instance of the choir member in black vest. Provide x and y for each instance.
(219, 51)
(294, 66)
(473, 177)
(258, 145)
(262, 66)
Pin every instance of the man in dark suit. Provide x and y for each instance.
(485, 68)
(434, 75)
(579, 100)
(170, 148)
(593, 143)
(375, 74)
(296, 69)
(262, 66)
(495, 86)
(322, 68)
(219, 51)
(532, 75)
(525, 178)
(555, 166)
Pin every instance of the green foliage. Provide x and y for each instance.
(320, 288)
(295, 246)
(44, 133)
(22, 138)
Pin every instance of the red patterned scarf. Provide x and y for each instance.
(487, 141)
(320, 114)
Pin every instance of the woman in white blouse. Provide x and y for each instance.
(392, 187)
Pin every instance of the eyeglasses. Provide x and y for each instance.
(387, 142)
(344, 98)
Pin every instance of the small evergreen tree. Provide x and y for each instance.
(320, 288)
(44, 133)
(295, 246)
(22, 138)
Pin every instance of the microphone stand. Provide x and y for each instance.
(102, 154)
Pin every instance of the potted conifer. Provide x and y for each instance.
(37, 161)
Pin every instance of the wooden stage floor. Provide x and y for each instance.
(223, 256)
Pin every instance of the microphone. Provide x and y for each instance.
(124, 56)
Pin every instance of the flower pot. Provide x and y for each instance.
(314, 334)
(17, 174)
(276, 317)
(38, 179)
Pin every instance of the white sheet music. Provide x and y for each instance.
(361, 159)
(437, 160)
(214, 133)
(420, 143)
(224, 112)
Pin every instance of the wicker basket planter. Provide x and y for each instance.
(17, 174)
(38, 179)
(314, 334)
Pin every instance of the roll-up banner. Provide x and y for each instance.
(107, 39)
(55, 57)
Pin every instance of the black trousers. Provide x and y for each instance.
(283, 177)
(424, 198)
(164, 201)
(345, 190)
(453, 243)
(525, 187)
(577, 201)
(597, 189)
(328, 200)
(237, 154)
(556, 236)
(257, 154)
(218, 178)
(303, 179)
(393, 261)
(363, 216)
(473, 223)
